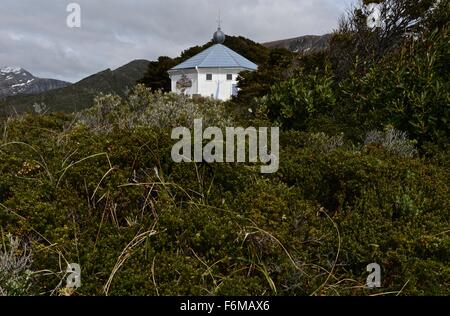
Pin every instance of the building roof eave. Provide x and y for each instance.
(172, 70)
(217, 56)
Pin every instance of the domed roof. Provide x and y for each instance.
(219, 36)
(217, 56)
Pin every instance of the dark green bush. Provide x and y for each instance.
(77, 195)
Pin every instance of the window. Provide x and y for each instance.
(229, 77)
(209, 77)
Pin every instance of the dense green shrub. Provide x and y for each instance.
(369, 79)
(138, 224)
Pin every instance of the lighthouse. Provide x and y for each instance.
(212, 73)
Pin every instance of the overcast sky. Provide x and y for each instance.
(34, 34)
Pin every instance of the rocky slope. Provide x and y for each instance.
(303, 44)
(17, 81)
(79, 95)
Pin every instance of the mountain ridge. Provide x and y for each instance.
(81, 94)
(302, 44)
(19, 81)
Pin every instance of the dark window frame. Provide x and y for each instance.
(209, 77)
(229, 77)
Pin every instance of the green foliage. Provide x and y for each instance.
(256, 84)
(296, 102)
(156, 76)
(407, 89)
(398, 21)
(111, 199)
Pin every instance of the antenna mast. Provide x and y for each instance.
(219, 21)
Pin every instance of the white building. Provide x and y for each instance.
(211, 73)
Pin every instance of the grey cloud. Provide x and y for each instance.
(34, 35)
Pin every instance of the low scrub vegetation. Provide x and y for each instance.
(113, 201)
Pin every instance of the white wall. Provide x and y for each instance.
(219, 87)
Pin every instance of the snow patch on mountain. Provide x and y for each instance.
(16, 80)
(7, 70)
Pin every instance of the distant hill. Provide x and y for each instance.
(17, 81)
(303, 44)
(81, 94)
